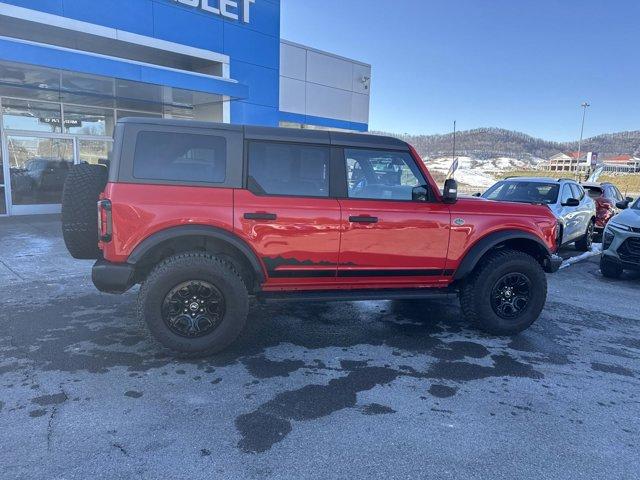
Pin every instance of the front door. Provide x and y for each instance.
(287, 216)
(389, 239)
(569, 215)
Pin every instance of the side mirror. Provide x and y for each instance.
(450, 191)
(477, 194)
(623, 204)
(572, 202)
(629, 199)
(420, 194)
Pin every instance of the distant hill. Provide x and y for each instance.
(486, 143)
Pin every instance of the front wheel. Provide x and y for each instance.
(610, 269)
(505, 294)
(194, 303)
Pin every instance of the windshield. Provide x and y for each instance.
(523, 192)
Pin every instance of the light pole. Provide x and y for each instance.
(584, 106)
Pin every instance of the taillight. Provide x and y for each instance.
(105, 220)
(559, 234)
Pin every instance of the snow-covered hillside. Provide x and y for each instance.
(479, 173)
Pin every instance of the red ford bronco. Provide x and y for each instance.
(205, 215)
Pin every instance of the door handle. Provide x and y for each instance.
(363, 219)
(260, 216)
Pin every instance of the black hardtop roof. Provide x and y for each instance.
(279, 134)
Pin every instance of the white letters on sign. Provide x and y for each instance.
(225, 8)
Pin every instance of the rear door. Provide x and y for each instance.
(585, 211)
(286, 213)
(389, 239)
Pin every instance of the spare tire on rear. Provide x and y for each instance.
(82, 187)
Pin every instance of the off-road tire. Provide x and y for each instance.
(583, 244)
(475, 294)
(194, 266)
(610, 269)
(83, 185)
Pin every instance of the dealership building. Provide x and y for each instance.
(69, 69)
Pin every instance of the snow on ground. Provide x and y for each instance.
(596, 249)
(479, 173)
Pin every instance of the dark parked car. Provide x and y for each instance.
(606, 195)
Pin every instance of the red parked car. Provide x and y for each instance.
(204, 216)
(606, 196)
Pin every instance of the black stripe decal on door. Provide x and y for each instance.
(301, 273)
(426, 272)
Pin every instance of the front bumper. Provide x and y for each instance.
(552, 263)
(112, 277)
(611, 257)
(614, 249)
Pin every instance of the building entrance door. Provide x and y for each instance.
(37, 165)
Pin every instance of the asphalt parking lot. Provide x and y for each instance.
(343, 390)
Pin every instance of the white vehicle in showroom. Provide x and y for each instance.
(574, 209)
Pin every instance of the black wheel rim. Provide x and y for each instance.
(193, 309)
(510, 295)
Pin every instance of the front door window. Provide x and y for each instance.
(387, 237)
(381, 175)
(38, 167)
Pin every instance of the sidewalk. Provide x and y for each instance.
(31, 249)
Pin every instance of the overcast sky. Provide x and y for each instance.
(519, 64)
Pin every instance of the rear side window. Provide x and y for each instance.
(288, 169)
(180, 157)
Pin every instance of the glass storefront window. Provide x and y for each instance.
(38, 168)
(1, 166)
(3, 205)
(92, 151)
(32, 116)
(128, 113)
(97, 122)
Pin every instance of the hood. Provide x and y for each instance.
(510, 208)
(471, 197)
(629, 217)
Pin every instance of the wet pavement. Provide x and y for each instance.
(335, 390)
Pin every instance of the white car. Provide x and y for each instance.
(574, 209)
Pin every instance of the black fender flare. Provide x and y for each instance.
(482, 246)
(198, 231)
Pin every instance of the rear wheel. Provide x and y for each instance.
(194, 303)
(83, 185)
(584, 243)
(610, 269)
(505, 294)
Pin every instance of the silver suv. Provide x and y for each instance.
(574, 209)
(621, 242)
